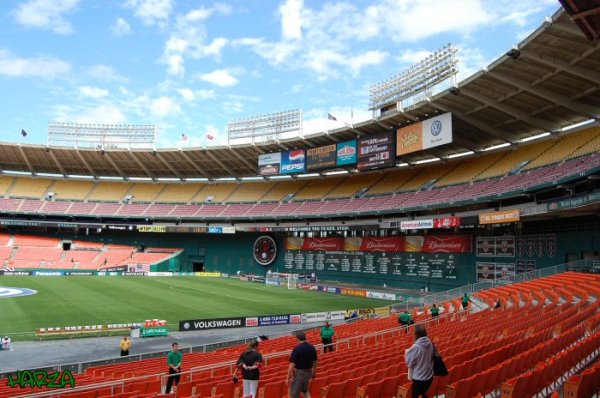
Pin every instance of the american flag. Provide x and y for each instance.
(184, 137)
(331, 117)
(7, 268)
(210, 137)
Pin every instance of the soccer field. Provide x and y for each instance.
(74, 301)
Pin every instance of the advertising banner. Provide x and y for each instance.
(446, 222)
(48, 273)
(437, 131)
(376, 152)
(154, 331)
(204, 324)
(353, 292)
(520, 246)
(540, 245)
(427, 134)
(381, 295)
(346, 153)
(208, 274)
(6, 272)
(269, 163)
(357, 313)
(267, 320)
(293, 161)
(416, 224)
(446, 244)
(375, 244)
(314, 317)
(530, 245)
(498, 217)
(152, 228)
(321, 158)
(331, 244)
(409, 139)
(424, 244)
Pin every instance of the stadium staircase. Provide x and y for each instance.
(545, 335)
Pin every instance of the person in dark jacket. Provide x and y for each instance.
(250, 362)
(419, 360)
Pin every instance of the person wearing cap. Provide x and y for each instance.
(302, 368)
(250, 362)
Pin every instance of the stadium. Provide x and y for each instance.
(487, 187)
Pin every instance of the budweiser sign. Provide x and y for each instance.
(328, 244)
(391, 244)
(447, 244)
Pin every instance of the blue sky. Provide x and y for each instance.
(190, 66)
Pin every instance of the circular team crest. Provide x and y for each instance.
(10, 292)
(265, 250)
(436, 128)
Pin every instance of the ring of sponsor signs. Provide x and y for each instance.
(10, 292)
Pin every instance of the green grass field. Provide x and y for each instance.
(74, 301)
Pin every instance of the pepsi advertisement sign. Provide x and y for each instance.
(346, 153)
(293, 161)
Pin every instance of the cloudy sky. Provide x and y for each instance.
(189, 67)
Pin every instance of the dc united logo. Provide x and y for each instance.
(436, 128)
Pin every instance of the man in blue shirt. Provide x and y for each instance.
(303, 367)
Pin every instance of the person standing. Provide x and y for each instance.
(302, 368)
(250, 362)
(405, 320)
(435, 311)
(465, 301)
(125, 345)
(419, 362)
(174, 359)
(327, 334)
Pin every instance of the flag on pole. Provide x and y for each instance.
(184, 137)
(331, 117)
(210, 137)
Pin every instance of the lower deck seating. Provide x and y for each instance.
(547, 327)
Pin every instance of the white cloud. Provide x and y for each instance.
(164, 106)
(326, 40)
(44, 67)
(105, 113)
(120, 28)
(151, 12)
(189, 40)
(46, 14)
(106, 73)
(359, 61)
(291, 19)
(412, 56)
(220, 77)
(93, 92)
(470, 60)
(191, 95)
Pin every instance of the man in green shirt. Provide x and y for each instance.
(465, 301)
(405, 320)
(174, 363)
(435, 311)
(327, 334)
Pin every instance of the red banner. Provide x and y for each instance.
(390, 244)
(446, 222)
(413, 243)
(447, 244)
(326, 244)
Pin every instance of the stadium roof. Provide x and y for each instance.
(546, 83)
